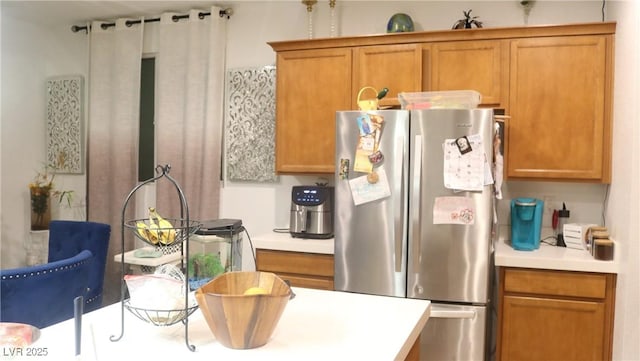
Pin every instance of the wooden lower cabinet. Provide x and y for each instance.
(414, 352)
(309, 270)
(555, 315)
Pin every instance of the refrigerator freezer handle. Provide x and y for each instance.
(399, 209)
(438, 313)
(414, 235)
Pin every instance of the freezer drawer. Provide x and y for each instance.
(454, 333)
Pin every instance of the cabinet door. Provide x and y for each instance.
(552, 329)
(311, 86)
(396, 67)
(471, 65)
(309, 270)
(560, 126)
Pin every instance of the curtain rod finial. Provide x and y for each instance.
(76, 28)
(226, 12)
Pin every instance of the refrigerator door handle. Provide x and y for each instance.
(440, 313)
(399, 216)
(415, 203)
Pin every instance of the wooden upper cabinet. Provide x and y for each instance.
(478, 65)
(396, 67)
(310, 86)
(560, 105)
(555, 82)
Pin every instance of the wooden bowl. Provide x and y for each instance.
(243, 321)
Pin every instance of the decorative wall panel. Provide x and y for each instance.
(250, 124)
(64, 123)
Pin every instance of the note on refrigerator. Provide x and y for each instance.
(363, 191)
(453, 210)
(465, 165)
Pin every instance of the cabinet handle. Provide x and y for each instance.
(439, 313)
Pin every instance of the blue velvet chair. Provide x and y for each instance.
(68, 238)
(43, 295)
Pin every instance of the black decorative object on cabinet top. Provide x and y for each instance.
(468, 22)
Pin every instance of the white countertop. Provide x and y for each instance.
(546, 257)
(315, 325)
(284, 242)
(554, 258)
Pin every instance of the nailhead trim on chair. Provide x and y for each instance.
(92, 299)
(25, 275)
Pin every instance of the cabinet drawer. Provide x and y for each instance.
(555, 283)
(320, 283)
(295, 262)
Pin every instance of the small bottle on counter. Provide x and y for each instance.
(603, 249)
(596, 232)
(597, 235)
(563, 218)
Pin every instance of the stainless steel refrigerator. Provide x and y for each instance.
(413, 218)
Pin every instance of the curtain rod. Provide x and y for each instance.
(226, 12)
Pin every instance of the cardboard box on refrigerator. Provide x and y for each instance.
(575, 235)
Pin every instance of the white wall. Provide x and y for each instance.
(31, 53)
(623, 213)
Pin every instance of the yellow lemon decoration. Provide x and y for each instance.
(255, 291)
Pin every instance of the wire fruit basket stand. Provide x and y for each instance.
(169, 235)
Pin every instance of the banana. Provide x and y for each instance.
(147, 233)
(167, 233)
(143, 230)
(154, 233)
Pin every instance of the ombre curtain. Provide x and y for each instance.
(189, 111)
(112, 158)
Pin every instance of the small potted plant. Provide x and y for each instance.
(40, 191)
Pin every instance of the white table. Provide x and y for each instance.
(316, 325)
